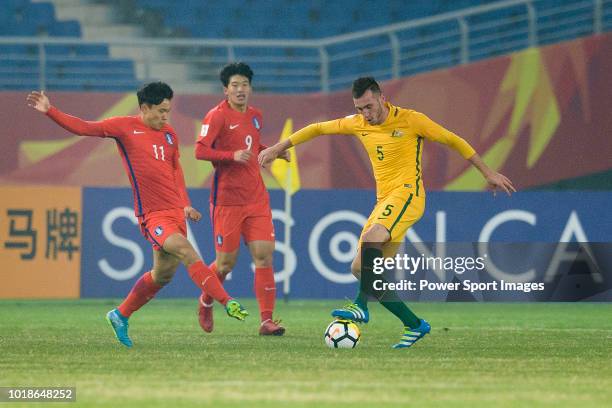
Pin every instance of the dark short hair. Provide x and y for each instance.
(154, 93)
(235, 68)
(361, 85)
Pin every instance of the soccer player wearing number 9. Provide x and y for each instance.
(393, 138)
(149, 149)
(239, 202)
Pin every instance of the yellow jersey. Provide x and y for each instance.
(395, 147)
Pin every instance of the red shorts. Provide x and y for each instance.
(252, 221)
(156, 226)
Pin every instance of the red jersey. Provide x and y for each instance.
(224, 131)
(150, 158)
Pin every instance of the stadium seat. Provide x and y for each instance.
(19, 63)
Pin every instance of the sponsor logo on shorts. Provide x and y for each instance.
(219, 240)
(169, 138)
(159, 230)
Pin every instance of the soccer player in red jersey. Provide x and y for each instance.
(239, 201)
(149, 149)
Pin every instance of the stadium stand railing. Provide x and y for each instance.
(301, 65)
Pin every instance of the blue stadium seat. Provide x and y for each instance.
(291, 18)
(69, 67)
(17, 50)
(21, 29)
(77, 50)
(65, 29)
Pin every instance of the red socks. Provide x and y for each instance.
(208, 300)
(208, 281)
(144, 290)
(265, 291)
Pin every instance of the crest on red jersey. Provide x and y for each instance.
(169, 138)
(256, 123)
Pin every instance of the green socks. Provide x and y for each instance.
(362, 299)
(389, 299)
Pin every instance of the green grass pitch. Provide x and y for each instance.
(478, 354)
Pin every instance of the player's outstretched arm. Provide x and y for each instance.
(433, 131)
(495, 181)
(40, 102)
(332, 127)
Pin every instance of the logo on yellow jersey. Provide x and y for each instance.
(397, 133)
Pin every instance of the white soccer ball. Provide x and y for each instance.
(342, 334)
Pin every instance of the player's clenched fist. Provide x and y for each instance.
(38, 101)
(242, 156)
(192, 214)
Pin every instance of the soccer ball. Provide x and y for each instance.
(342, 334)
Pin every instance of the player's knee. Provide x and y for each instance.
(162, 278)
(187, 255)
(356, 269)
(263, 261)
(368, 236)
(376, 234)
(372, 237)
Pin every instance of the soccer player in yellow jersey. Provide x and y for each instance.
(393, 138)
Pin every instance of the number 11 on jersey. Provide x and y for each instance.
(159, 153)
